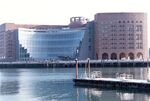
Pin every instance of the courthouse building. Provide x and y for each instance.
(109, 36)
(120, 36)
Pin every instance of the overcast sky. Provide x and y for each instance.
(59, 11)
(55, 12)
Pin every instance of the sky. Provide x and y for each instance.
(58, 12)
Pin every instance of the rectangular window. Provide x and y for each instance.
(89, 48)
(89, 39)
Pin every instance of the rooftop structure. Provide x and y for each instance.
(76, 22)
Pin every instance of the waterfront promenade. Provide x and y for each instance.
(81, 63)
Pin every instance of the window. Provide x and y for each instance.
(105, 48)
(139, 46)
(139, 28)
(131, 38)
(122, 43)
(122, 39)
(130, 47)
(131, 28)
(122, 47)
(130, 43)
(131, 34)
(89, 48)
(105, 43)
(140, 36)
(89, 39)
(137, 37)
(114, 47)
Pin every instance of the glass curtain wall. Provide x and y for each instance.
(43, 44)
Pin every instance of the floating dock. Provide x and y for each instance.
(122, 80)
(114, 83)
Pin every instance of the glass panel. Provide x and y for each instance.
(50, 44)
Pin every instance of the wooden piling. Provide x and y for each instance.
(89, 68)
(76, 68)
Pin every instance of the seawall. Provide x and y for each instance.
(71, 64)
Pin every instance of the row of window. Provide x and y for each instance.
(124, 30)
(130, 21)
(123, 34)
(122, 55)
(121, 21)
(132, 38)
(122, 43)
(115, 28)
(130, 47)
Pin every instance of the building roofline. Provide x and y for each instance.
(121, 13)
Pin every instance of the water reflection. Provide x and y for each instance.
(8, 88)
(55, 84)
(125, 96)
(9, 84)
(147, 97)
(46, 84)
(95, 94)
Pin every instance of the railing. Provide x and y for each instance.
(124, 76)
(72, 61)
(96, 74)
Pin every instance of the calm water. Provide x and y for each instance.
(55, 84)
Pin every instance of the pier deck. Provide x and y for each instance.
(115, 83)
(122, 80)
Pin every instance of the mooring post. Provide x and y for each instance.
(76, 68)
(148, 72)
(85, 67)
(148, 62)
(85, 75)
(47, 64)
(89, 67)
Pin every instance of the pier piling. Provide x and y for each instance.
(76, 68)
(89, 68)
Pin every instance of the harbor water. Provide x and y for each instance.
(55, 84)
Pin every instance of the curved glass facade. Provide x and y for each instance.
(49, 44)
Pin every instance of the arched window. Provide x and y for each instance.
(113, 56)
(105, 56)
(122, 56)
(139, 55)
(131, 56)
